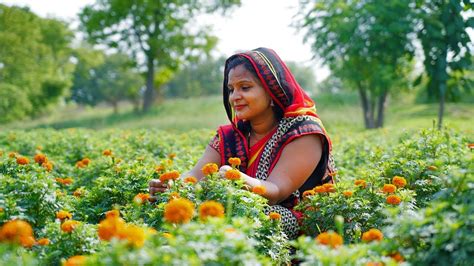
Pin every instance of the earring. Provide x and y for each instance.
(271, 103)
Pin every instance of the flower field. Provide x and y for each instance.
(79, 197)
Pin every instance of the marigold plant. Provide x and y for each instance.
(69, 226)
(107, 152)
(211, 209)
(260, 190)
(393, 200)
(319, 189)
(179, 211)
(308, 193)
(77, 260)
(360, 183)
(234, 161)
(347, 193)
(21, 160)
(17, 231)
(232, 174)
(165, 177)
(389, 188)
(372, 235)
(141, 198)
(399, 181)
(40, 158)
(61, 215)
(43, 242)
(190, 179)
(329, 188)
(209, 169)
(274, 216)
(331, 239)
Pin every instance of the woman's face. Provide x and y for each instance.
(247, 96)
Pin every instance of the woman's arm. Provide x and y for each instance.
(297, 162)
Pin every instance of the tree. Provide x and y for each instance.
(34, 59)
(445, 44)
(365, 43)
(304, 75)
(157, 31)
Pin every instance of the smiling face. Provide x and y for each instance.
(247, 96)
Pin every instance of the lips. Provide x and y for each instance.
(239, 107)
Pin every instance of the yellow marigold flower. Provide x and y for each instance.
(209, 169)
(167, 235)
(12, 155)
(179, 211)
(43, 242)
(141, 198)
(319, 189)
(360, 183)
(397, 257)
(393, 199)
(40, 158)
(69, 226)
(260, 190)
(328, 187)
(348, 193)
(399, 181)
(48, 166)
(234, 161)
(110, 227)
(22, 160)
(308, 193)
(61, 215)
(331, 239)
(232, 174)
(107, 152)
(389, 188)
(165, 177)
(17, 231)
(211, 209)
(134, 235)
(78, 260)
(190, 179)
(372, 235)
(274, 216)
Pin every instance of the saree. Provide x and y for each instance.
(299, 119)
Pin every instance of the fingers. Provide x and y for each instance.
(156, 186)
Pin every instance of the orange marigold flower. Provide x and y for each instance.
(308, 193)
(159, 168)
(234, 161)
(399, 181)
(80, 164)
(348, 193)
(78, 192)
(372, 235)
(40, 158)
(165, 177)
(110, 227)
(393, 199)
(332, 174)
(274, 216)
(174, 195)
(331, 239)
(360, 183)
(209, 169)
(470, 146)
(67, 181)
(86, 161)
(211, 209)
(397, 257)
(171, 156)
(112, 214)
(179, 211)
(43, 242)
(17, 231)
(373, 263)
(61, 215)
(329, 187)
(12, 154)
(260, 190)
(140, 198)
(319, 189)
(69, 226)
(22, 160)
(48, 166)
(78, 260)
(107, 152)
(432, 168)
(389, 188)
(232, 174)
(190, 179)
(135, 235)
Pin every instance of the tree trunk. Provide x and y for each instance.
(381, 108)
(365, 107)
(115, 105)
(443, 79)
(442, 97)
(149, 95)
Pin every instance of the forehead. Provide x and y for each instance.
(240, 74)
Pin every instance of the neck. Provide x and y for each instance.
(263, 127)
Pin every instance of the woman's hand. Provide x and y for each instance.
(223, 170)
(155, 185)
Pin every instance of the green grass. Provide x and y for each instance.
(341, 114)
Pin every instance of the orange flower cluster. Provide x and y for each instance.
(232, 174)
(43, 242)
(17, 231)
(190, 179)
(69, 226)
(165, 177)
(65, 181)
(325, 188)
(48, 166)
(179, 211)
(234, 161)
(372, 235)
(360, 183)
(159, 169)
(62, 215)
(174, 195)
(331, 239)
(348, 193)
(308, 193)
(141, 198)
(393, 200)
(274, 216)
(77, 260)
(21, 160)
(12, 154)
(397, 257)
(115, 227)
(40, 158)
(209, 169)
(389, 188)
(78, 192)
(107, 152)
(260, 190)
(399, 181)
(83, 163)
(211, 209)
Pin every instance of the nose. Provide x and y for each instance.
(234, 96)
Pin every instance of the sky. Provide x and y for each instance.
(250, 26)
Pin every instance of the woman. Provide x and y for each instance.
(274, 130)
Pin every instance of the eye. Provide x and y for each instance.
(245, 88)
(230, 90)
